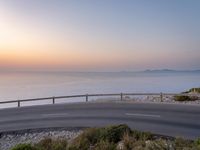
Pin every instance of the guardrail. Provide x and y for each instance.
(86, 96)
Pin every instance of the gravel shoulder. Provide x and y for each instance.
(10, 139)
(147, 99)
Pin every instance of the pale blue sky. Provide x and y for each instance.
(104, 34)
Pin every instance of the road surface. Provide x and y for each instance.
(165, 119)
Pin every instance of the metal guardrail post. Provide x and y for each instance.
(86, 97)
(121, 96)
(53, 100)
(18, 102)
(161, 97)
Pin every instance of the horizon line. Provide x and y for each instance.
(92, 71)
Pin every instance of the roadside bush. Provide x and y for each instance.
(182, 98)
(138, 145)
(136, 140)
(88, 137)
(105, 145)
(24, 147)
(197, 143)
(138, 135)
(45, 143)
(193, 90)
(157, 145)
(128, 142)
(181, 144)
(50, 144)
(112, 134)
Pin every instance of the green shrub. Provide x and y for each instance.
(88, 137)
(50, 144)
(45, 143)
(128, 141)
(60, 145)
(197, 142)
(138, 145)
(193, 90)
(24, 147)
(114, 133)
(138, 135)
(158, 144)
(136, 140)
(182, 98)
(80, 143)
(182, 143)
(105, 145)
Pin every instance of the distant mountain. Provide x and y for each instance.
(160, 70)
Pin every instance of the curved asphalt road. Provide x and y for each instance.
(166, 119)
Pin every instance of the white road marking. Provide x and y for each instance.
(143, 115)
(55, 115)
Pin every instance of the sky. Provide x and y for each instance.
(99, 34)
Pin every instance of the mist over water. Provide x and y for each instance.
(15, 86)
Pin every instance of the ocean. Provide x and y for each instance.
(23, 85)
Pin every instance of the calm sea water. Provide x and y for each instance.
(33, 85)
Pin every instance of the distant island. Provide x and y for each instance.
(170, 71)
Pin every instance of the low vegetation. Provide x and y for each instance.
(189, 97)
(119, 137)
(183, 98)
(195, 90)
(45, 144)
